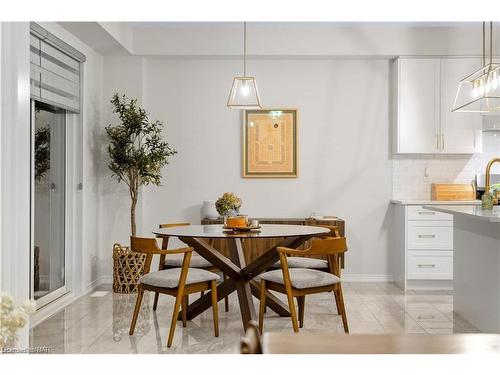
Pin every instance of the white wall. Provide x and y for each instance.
(345, 168)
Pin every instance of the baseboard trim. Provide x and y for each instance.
(367, 278)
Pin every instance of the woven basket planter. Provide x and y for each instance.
(127, 269)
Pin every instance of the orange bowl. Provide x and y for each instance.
(237, 221)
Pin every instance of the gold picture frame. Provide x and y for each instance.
(270, 143)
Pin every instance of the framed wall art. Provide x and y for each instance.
(270, 143)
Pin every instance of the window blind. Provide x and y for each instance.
(54, 70)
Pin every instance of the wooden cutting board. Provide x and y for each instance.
(453, 192)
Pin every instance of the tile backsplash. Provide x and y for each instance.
(409, 180)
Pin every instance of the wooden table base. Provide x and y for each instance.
(240, 276)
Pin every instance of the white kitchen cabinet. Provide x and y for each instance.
(424, 93)
(423, 248)
(461, 132)
(417, 105)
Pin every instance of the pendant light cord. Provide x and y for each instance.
(244, 49)
(491, 42)
(484, 58)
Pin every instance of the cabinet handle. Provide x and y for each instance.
(426, 265)
(437, 141)
(442, 142)
(426, 213)
(419, 317)
(426, 236)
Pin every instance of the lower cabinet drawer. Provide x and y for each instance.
(430, 265)
(430, 235)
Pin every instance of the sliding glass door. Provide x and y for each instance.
(48, 203)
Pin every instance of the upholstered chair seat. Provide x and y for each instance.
(302, 278)
(301, 262)
(170, 278)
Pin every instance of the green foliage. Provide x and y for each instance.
(136, 149)
(42, 152)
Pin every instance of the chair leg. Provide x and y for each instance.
(226, 298)
(342, 308)
(184, 310)
(262, 306)
(301, 301)
(293, 313)
(337, 303)
(202, 293)
(137, 308)
(155, 303)
(177, 306)
(215, 308)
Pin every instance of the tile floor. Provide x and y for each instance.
(99, 322)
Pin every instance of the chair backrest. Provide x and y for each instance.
(149, 246)
(251, 343)
(146, 246)
(327, 246)
(331, 247)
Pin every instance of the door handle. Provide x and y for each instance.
(52, 186)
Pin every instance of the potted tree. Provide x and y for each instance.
(137, 155)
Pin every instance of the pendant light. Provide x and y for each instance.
(244, 93)
(480, 91)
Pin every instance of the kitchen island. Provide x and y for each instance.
(476, 264)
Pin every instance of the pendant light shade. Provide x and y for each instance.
(480, 91)
(244, 93)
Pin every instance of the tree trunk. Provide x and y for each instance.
(132, 213)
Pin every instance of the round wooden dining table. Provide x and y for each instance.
(239, 274)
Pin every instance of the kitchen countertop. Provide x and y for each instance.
(430, 202)
(471, 211)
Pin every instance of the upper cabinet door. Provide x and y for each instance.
(417, 105)
(461, 133)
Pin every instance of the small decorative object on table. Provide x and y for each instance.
(240, 224)
(228, 205)
(209, 211)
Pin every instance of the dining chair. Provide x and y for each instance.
(312, 262)
(175, 261)
(178, 282)
(299, 282)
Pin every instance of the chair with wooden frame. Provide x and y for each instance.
(177, 282)
(311, 262)
(299, 282)
(175, 261)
